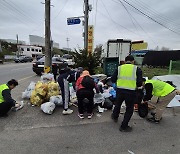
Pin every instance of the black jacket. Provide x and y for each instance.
(7, 97)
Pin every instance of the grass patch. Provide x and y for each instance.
(151, 72)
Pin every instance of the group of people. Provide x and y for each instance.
(128, 79)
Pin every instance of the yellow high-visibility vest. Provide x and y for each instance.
(160, 88)
(127, 76)
(2, 87)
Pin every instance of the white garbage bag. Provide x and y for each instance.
(48, 107)
(57, 100)
(27, 93)
(98, 99)
(47, 77)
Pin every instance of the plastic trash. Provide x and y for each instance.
(27, 93)
(57, 100)
(48, 107)
(98, 99)
(100, 110)
(20, 106)
(47, 77)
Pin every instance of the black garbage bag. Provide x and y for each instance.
(143, 110)
(108, 104)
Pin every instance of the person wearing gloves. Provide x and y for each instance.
(85, 94)
(128, 77)
(165, 93)
(63, 81)
(6, 101)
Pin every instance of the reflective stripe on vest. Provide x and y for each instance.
(160, 88)
(127, 77)
(2, 87)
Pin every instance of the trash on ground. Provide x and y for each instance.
(48, 107)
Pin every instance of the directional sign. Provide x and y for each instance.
(73, 21)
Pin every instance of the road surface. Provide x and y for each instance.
(31, 131)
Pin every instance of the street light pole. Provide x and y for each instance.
(48, 58)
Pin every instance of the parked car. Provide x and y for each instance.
(57, 64)
(69, 59)
(23, 59)
(39, 57)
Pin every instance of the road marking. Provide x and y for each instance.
(20, 68)
(26, 78)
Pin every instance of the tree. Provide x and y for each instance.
(87, 60)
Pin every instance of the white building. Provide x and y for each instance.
(40, 41)
(29, 50)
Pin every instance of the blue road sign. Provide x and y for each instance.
(73, 21)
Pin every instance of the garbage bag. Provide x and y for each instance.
(41, 88)
(36, 99)
(143, 110)
(108, 104)
(47, 77)
(53, 90)
(98, 99)
(48, 107)
(27, 93)
(57, 100)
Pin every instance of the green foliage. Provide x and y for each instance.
(151, 72)
(89, 61)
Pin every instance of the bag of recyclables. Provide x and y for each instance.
(48, 107)
(57, 100)
(27, 93)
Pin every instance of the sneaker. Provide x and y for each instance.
(127, 129)
(114, 119)
(81, 116)
(153, 120)
(68, 111)
(90, 116)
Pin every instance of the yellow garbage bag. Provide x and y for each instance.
(36, 99)
(53, 89)
(41, 88)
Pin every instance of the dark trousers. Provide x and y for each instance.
(5, 107)
(129, 98)
(81, 95)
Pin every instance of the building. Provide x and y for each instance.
(40, 41)
(29, 50)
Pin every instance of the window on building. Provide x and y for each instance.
(40, 51)
(32, 49)
(36, 50)
(28, 49)
(22, 49)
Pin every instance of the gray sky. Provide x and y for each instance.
(110, 18)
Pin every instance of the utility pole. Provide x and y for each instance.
(67, 39)
(48, 57)
(86, 16)
(17, 54)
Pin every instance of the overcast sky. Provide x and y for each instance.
(111, 19)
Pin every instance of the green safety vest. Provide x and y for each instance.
(160, 88)
(2, 87)
(127, 77)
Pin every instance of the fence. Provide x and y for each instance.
(174, 65)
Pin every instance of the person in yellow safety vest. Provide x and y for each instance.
(6, 101)
(165, 93)
(127, 78)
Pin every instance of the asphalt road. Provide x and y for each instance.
(17, 71)
(29, 130)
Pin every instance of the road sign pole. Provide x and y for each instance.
(86, 16)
